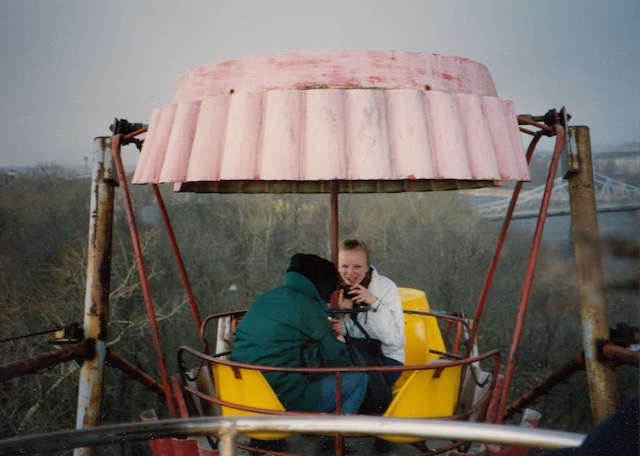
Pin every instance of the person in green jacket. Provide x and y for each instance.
(288, 326)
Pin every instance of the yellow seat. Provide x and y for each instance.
(249, 388)
(430, 393)
(421, 332)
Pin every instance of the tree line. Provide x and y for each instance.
(237, 246)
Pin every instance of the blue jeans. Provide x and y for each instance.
(392, 376)
(354, 387)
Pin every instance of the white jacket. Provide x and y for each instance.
(384, 320)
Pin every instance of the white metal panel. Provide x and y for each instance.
(325, 153)
(367, 138)
(209, 140)
(348, 116)
(180, 142)
(242, 138)
(478, 142)
(280, 148)
(446, 136)
(409, 136)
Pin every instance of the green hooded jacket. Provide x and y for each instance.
(288, 327)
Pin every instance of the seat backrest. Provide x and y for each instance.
(430, 393)
(422, 332)
(245, 387)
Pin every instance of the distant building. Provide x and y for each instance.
(7, 176)
(617, 163)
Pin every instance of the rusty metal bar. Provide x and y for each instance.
(524, 120)
(610, 351)
(178, 256)
(43, 361)
(144, 280)
(96, 304)
(510, 365)
(593, 309)
(543, 387)
(133, 372)
(621, 354)
(501, 239)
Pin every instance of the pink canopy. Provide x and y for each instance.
(370, 121)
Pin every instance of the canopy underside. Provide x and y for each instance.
(371, 186)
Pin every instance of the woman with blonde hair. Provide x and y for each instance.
(384, 319)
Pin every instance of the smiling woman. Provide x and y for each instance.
(385, 321)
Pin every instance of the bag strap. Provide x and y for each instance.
(360, 327)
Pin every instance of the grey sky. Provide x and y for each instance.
(70, 66)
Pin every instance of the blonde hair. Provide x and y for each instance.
(350, 245)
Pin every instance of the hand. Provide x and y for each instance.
(336, 326)
(343, 302)
(362, 295)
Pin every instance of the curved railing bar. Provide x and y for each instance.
(331, 370)
(480, 405)
(229, 428)
(441, 316)
(216, 317)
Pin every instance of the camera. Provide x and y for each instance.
(347, 291)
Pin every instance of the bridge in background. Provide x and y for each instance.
(611, 195)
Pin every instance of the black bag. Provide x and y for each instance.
(368, 352)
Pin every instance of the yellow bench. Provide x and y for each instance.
(428, 393)
(246, 388)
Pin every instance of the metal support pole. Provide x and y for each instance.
(334, 222)
(96, 305)
(593, 309)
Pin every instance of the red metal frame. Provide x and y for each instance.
(549, 130)
(510, 364)
(144, 279)
(558, 131)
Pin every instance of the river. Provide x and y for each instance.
(619, 226)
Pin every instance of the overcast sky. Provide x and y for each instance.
(69, 67)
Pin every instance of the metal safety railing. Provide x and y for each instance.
(229, 429)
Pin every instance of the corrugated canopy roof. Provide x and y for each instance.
(372, 121)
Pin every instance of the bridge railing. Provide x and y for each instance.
(611, 195)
